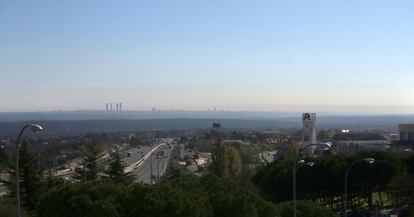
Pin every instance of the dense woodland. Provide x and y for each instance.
(390, 180)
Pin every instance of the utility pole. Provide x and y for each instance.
(158, 170)
(151, 168)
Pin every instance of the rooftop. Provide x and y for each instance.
(359, 136)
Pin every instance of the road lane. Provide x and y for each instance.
(143, 172)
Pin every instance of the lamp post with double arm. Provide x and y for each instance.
(294, 171)
(368, 160)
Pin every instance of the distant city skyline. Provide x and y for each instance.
(316, 56)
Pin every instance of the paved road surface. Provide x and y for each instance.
(137, 161)
(143, 173)
(136, 154)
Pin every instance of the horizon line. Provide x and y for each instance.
(323, 113)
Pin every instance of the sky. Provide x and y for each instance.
(263, 55)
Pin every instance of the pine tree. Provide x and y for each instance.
(90, 154)
(116, 171)
(3, 159)
(30, 177)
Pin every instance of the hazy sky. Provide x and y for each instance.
(338, 56)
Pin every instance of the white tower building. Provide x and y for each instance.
(309, 132)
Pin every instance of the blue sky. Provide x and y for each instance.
(337, 56)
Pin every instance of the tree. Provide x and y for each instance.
(386, 167)
(229, 198)
(305, 209)
(8, 208)
(324, 182)
(30, 177)
(235, 164)
(180, 195)
(3, 159)
(402, 187)
(226, 160)
(409, 162)
(165, 200)
(116, 171)
(224, 195)
(275, 180)
(220, 159)
(90, 154)
(86, 199)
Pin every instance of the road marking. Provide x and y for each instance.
(138, 164)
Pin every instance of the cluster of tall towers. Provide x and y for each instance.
(109, 107)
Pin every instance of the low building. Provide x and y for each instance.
(352, 143)
(203, 159)
(268, 156)
(235, 142)
(406, 133)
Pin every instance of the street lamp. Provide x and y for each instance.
(295, 163)
(34, 128)
(152, 154)
(408, 150)
(295, 171)
(158, 169)
(162, 166)
(368, 160)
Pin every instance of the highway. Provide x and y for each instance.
(134, 157)
(160, 158)
(138, 161)
(129, 158)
